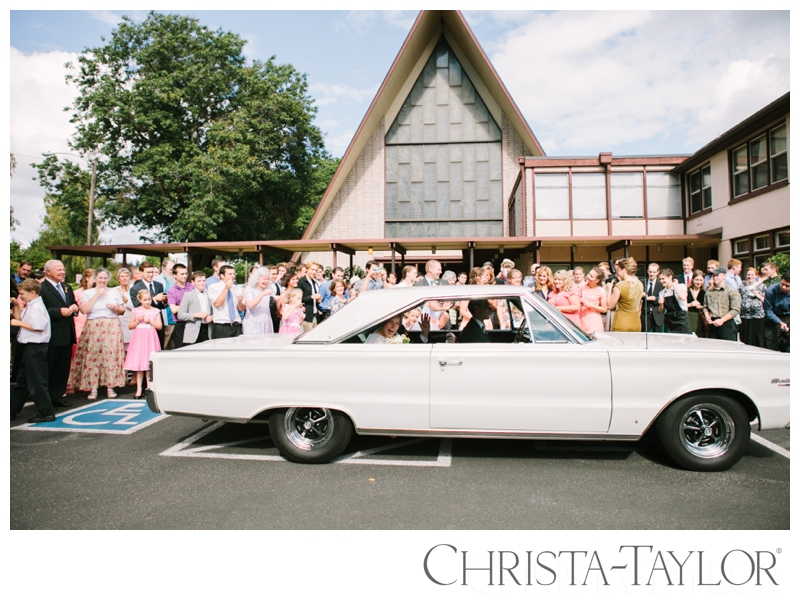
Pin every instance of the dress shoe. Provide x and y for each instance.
(62, 404)
(42, 418)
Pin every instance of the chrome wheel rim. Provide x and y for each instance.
(308, 428)
(707, 431)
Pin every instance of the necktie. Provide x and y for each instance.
(232, 313)
(650, 289)
(61, 292)
(152, 290)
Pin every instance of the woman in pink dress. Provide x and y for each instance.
(145, 322)
(563, 298)
(593, 302)
(293, 313)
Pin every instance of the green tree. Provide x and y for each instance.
(198, 145)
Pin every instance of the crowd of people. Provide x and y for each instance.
(99, 337)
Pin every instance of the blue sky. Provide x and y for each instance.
(626, 82)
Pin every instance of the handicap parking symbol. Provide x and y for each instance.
(103, 417)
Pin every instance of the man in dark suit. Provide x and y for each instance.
(433, 271)
(685, 277)
(652, 318)
(475, 331)
(311, 296)
(156, 291)
(59, 301)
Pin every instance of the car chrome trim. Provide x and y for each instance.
(499, 434)
(214, 418)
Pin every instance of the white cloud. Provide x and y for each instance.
(363, 20)
(106, 16)
(665, 81)
(39, 124)
(329, 93)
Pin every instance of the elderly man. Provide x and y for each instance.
(720, 306)
(60, 303)
(776, 307)
(433, 271)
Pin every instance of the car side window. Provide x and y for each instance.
(542, 330)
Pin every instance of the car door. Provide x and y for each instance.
(546, 384)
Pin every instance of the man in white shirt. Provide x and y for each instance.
(226, 301)
(33, 338)
(433, 270)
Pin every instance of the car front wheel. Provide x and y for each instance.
(310, 434)
(704, 433)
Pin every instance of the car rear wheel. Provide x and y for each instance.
(310, 434)
(704, 433)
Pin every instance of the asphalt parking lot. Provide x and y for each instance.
(116, 466)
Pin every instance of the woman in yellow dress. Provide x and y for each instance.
(625, 297)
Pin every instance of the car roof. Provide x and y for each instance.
(371, 307)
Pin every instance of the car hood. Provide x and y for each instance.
(247, 342)
(670, 342)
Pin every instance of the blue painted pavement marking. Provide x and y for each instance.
(103, 417)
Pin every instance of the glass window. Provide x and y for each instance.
(741, 246)
(627, 196)
(762, 242)
(758, 162)
(782, 238)
(778, 154)
(740, 177)
(663, 195)
(552, 195)
(588, 196)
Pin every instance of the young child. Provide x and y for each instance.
(145, 321)
(33, 337)
(293, 313)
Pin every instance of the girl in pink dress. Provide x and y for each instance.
(145, 321)
(293, 313)
(593, 302)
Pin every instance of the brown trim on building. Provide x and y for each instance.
(524, 184)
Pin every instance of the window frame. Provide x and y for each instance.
(753, 165)
(701, 191)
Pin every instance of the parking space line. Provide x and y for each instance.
(770, 445)
(181, 449)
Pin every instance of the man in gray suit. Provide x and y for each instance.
(195, 311)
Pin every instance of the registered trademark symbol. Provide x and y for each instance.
(779, 551)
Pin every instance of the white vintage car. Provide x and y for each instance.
(540, 377)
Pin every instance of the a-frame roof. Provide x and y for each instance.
(428, 27)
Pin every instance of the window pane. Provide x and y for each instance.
(760, 176)
(777, 140)
(762, 242)
(706, 198)
(780, 168)
(706, 171)
(552, 196)
(588, 196)
(663, 195)
(740, 184)
(741, 246)
(782, 238)
(627, 198)
(740, 159)
(758, 150)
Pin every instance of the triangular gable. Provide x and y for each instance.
(427, 29)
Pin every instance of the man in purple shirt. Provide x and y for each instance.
(174, 297)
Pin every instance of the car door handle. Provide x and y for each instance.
(443, 363)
